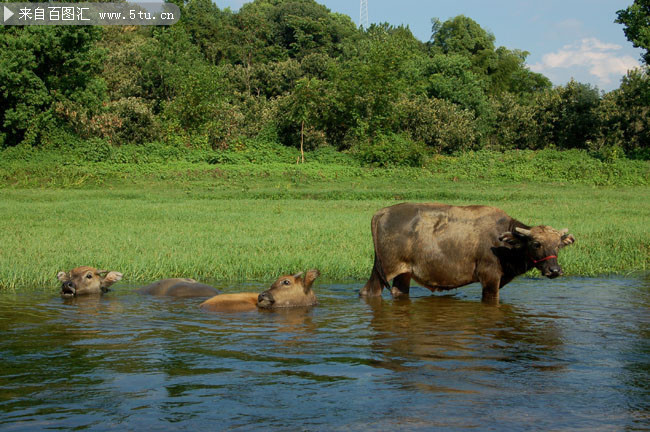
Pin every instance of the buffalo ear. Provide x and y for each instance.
(509, 238)
(61, 276)
(310, 277)
(567, 239)
(110, 278)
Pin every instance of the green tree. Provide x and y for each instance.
(212, 30)
(501, 69)
(625, 116)
(636, 19)
(368, 83)
(304, 27)
(450, 77)
(47, 76)
(303, 114)
(464, 36)
(567, 116)
(508, 73)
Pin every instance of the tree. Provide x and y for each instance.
(636, 19)
(304, 27)
(368, 81)
(450, 77)
(303, 110)
(625, 115)
(463, 36)
(567, 116)
(508, 73)
(501, 68)
(47, 74)
(211, 29)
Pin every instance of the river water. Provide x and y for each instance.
(567, 354)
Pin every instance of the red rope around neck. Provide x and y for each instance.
(545, 259)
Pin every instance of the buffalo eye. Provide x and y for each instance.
(89, 276)
(286, 282)
(537, 245)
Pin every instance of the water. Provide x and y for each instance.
(568, 354)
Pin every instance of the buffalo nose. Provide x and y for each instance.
(265, 298)
(555, 271)
(68, 288)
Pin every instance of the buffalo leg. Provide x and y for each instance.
(401, 285)
(490, 289)
(374, 285)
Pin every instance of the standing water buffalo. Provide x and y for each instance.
(444, 247)
(86, 280)
(286, 291)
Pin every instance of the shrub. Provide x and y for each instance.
(137, 123)
(440, 124)
(517, 127)
(387, 150)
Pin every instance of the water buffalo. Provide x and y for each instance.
(179, 288)
(86, 280)
(286, 291)
(444, 247)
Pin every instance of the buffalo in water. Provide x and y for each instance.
(286, 292)
(443, 247)
(86, 280)
(179, 287)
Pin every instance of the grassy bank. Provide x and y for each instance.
(234, 222)
(260, 167)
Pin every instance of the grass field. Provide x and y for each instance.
(247, 222)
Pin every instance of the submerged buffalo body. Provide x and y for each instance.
(443, 247)
(179, 287)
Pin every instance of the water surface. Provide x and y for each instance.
(572, 353)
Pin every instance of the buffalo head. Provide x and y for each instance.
(86, 280)
(290, 291)
(541, 245)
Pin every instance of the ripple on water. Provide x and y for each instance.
(568, 353)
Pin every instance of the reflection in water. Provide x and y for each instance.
(573, 356)
(635, 356)
(461, 335)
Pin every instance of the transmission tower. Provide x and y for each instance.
(363, 14)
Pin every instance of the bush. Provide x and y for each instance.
(137, 123)
(441, 125)
(330, 156)
(517, 127)
(387, 150)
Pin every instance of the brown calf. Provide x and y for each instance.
(86, 280)
(286, 291)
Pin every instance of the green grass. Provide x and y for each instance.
(242, 222)
(87, 167)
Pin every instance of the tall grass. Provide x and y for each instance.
(247, 222)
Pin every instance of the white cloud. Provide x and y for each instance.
(600, 59)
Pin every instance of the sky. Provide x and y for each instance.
(566, 39)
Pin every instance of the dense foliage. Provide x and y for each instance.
(293, 73)
(636, 19)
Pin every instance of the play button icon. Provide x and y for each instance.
(7, 14)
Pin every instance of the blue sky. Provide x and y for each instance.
(570, 38)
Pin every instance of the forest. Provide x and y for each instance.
(291, 74)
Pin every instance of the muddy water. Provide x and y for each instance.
(570, 353)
